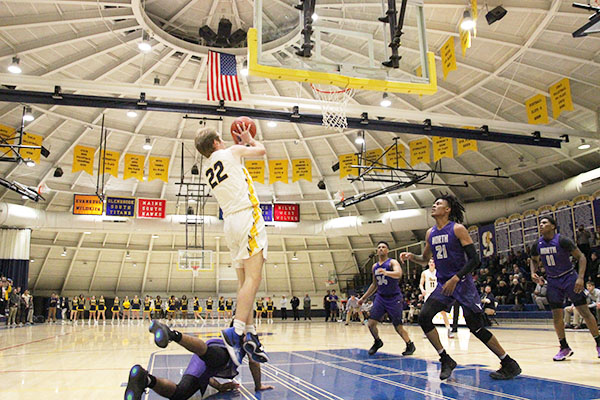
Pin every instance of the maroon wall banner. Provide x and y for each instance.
(151, 208)
(286, 212)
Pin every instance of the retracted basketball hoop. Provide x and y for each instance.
(334, 102)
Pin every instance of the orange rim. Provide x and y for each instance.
(328, 91)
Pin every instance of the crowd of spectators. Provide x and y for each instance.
(16, 305)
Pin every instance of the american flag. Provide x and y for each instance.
(222, 81)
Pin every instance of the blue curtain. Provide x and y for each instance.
(17, 270)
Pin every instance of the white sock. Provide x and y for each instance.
(441, 351)
(239, 327)
(502, 357)
(251, 329)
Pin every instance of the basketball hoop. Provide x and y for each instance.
(195, 269)
(329, 283)
(334, 102)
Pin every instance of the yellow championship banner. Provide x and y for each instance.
(87, 204)
(448, 57)
(474, 14)
(30, 139)
(256, 169)
(346, 161)
(465, 41)
(374, 157)
(110, 159)
(301, 169)
(134, 167)
(395, 157)
(159, 169)
(419, 151)
(442, 147)
(7, 133)
(278, 171)
(560, 97)
(83, 159)
(537, 110)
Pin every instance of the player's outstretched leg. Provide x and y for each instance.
(378, 343)
(509, 368)
(163, 334)
(430, 309)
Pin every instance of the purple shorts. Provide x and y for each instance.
(465, 294)
(391, 305)
(560, 288)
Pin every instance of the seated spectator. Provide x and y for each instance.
(517, 271)
(502, 292)
(528, 287)
(366, 309)
(571, 311)
(516, 295)
(415, 309)
(539, 294)
(488, 301)
(593, 296)
(594, 266)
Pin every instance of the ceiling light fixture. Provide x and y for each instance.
(58, 172)
(359, 139)
(385, 101)
(195, 170)
(467, 22)
(271, 124)
(87, 233)
(30, 163)
(341, 207)
(14, 67)
(147, 144)
(584, 145)
(315, 17)
(127, 255)
(155, 236)
(145, 46)
(131, 114)
(27, 114)
(400, 201)
(294, 257)
(244, 71)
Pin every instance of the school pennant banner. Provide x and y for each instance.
(442, 147)
(560, 97)
(31, 139)
(111, 162)
(256, 169)
(83, 159)
(537, 110)
(448, 57)
(396, 157)
(159, 169)
(301, 169)
(346, 161)
(373, 157)
(7, 133)
(134, 167)
(465, 41)
(278, 171)
(419, 151)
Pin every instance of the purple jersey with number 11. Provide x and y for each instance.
(447, 252)
(386, 286)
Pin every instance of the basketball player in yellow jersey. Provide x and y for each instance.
(427, 285)
(244, 230)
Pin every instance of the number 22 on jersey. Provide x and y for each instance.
(215, 174)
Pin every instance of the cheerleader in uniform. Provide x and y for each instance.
(102, 310)
(115, 309)
(136, 306)
(270, 309)
(127, 309)
(184, 307)
(147, 306)
(74, 305)
(229, 308)
(81, 308)
(158, 311)
(197, 310)
(221, 311)
(209, 308)
(92, 312)
(260, 307)
(171, 308)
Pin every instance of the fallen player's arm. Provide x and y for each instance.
(256, 376)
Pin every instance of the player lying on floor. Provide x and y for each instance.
(210, 360)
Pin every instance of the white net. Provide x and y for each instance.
(334, 102)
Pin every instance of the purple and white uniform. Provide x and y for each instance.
(199, 370)
(450, 258)
(561, 274)
(388, 297)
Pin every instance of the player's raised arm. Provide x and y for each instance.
(423, 259)
(249, 146)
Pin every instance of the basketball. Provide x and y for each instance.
(237, 126)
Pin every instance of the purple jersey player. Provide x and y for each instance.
(553, 251)
(210, 360)
(455, 259)
(388, 299)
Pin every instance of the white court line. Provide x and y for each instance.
(451, 383)
(309, 385)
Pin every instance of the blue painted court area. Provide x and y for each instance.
(353, 374)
